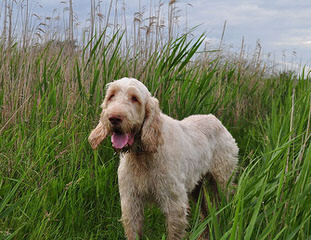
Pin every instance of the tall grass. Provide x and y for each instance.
(53, 186)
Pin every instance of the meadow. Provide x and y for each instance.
(54, 186)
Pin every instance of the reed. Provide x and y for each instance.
(53, 186)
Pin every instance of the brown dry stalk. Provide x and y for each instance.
(290, 128)
(7, 122)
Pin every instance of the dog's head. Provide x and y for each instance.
(130, 115)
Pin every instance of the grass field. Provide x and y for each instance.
(54, 186)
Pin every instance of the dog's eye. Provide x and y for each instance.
(134, 99)
(110, 97)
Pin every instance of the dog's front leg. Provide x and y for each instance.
(176, 221)
(132, 218)
(175, 209)
(132, 207)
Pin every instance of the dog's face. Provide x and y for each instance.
(123, 114)
(129, 113)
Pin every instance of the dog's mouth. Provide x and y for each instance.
(120, 140)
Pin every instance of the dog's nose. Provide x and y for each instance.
(115, 120)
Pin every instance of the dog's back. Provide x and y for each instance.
(207, 124)
(225, 154)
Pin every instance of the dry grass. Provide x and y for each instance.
(53, 186)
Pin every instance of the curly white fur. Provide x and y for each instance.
(167, 158)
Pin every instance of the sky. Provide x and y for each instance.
(281, 27)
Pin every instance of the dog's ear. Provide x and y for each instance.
(151, 130)
(98, 135)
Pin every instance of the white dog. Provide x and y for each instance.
(161, 159)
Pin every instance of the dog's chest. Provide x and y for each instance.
(140, 172)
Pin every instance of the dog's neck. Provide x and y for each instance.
(137, 148)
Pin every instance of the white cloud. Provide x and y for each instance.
(279, 24)
(235, 12)
(294, 42)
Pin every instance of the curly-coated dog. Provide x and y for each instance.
(161, 159)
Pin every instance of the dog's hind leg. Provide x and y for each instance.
(209, 182)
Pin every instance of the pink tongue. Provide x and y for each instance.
(120, 140)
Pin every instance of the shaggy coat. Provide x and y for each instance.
(161, 159)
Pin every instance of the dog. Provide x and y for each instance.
(162, 160)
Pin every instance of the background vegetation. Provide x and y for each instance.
(53, 186)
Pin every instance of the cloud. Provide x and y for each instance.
(294, 42)
(235, 12)
(280, 25)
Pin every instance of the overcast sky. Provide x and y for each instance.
(283, 27)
